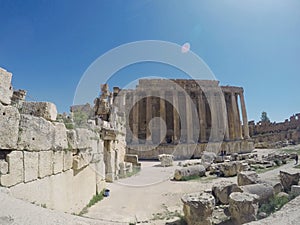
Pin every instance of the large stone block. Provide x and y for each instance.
(289, 178)
(46, 110)
(45, 164)
(229, 169)
(86, 138)
(186, 172)
(3, 167)
(81, 160)
(166, 159)
(223, 189)
(68, 160)
(36, 134)
(264, 191)
(60, 136)
(208, 157)
(72, 139)
(9, 127)
(198, 208)
(31, 162)
(6, 90)
(242, 207)
(16, 169)
(134, 159)
(247, 177)
(58, 162)
(295, 190)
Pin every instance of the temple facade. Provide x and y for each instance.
(184, 118)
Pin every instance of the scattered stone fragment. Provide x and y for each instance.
(198, 208)
(289, 178)
(243, 207)
(263, 191)
(222, 190)
(166, 160)
(246, 178)
(186, 172)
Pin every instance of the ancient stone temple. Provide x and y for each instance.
(184, 117)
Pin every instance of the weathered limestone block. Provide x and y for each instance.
(58, 162)
(6, 90)
(185, 172)
(72, 139)
(68, 160)
(166, 160)
(125, 167)
(47, 110)
(60, 136)
(295, 190)
(134, 159)
(242, 207)
(81, 160)
(16, 169)
(223, 189)
(85, 138)
(9, 127)
(198, 208)
(208, 157)
(3, 167)
(35, 134)
(246, 178)
(289, 178)
(277, 186)
(263, 191)
(229, 169)
(45, 164)
(31, 168)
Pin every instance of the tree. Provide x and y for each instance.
(264, 117)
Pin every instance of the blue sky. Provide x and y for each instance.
(48, 45)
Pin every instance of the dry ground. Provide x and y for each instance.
(151, 197)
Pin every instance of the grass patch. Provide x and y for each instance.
(197, 178)
(296, 150)
(297, 167)
(274, 204)
(167, 215)
(266, 169)
(96, 198)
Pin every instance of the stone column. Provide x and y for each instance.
(236, 121)
(162, 113)
(239, 123)
(135, 118)
(148, 118)
(244, 114)
(212, 98)
(230, 116)
(202, 116)
(189, 118)
(175, 117)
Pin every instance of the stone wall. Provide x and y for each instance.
(43, 162)
(267, 134)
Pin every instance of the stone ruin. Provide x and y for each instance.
(234, 202)
(43, 162)
(276, 135)
(155, 100)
